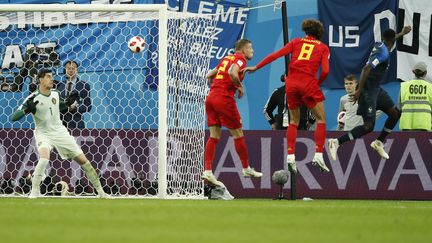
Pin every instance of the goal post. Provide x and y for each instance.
(143, 113)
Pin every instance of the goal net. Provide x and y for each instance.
(139, 118)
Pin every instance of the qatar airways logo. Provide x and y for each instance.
(342, 170)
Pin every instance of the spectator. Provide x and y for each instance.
(350, 119)
(281, 120)
(72, 117)
(415, 101)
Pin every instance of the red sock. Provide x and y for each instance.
(242, 151)
(210, 152)
(320, 133)
(291, 138)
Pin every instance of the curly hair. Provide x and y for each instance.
(313, 27)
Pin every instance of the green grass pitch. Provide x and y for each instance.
(240, 220)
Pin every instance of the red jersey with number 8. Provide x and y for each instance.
(307, 54)
(222, 83)
(302, 83)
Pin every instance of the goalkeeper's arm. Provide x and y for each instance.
(28, 106)
(63, 107)
(68, 101)
(18, 114)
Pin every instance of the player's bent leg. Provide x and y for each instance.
(38, 173)
(208, 175)
(242, 151)
(210, 149)
(251, 172)
(393, 114)
(91, 174)
(333, 145)
(318, 160)
(378, 146)
(291, 135)
(356, 132)
(291, 163)
(320, 132)
(37, 177)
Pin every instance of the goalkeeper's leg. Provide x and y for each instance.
(38, 173)
(91, 174)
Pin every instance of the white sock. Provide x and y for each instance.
(38, 174)
(318, 154)
(291, 157)
(92, 176)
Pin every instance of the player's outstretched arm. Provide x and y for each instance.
(249, 69)
(17, 115)
(28, 106)
(287, 49)
(405, 30)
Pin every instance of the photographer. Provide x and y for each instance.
(280, 121)
(37, 58)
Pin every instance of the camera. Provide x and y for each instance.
(42, 57)
(35, 59)
(8, 81)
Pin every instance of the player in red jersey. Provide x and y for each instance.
(303, 87)
(221, 108)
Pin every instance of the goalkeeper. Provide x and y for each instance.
(44, 105)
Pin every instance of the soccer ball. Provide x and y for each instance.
(136, 44)
(341, 117)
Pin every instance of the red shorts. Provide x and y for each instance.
(222, 111)
(302, 90)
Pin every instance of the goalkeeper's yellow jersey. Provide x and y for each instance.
(47, 116)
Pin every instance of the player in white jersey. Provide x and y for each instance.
(45, 105)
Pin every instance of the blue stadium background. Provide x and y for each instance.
(259, 86)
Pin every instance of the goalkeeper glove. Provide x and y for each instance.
(31, 105)
(71, 98)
